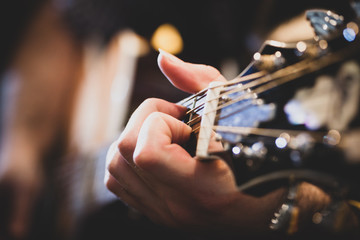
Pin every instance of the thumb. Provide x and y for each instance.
(188, 77)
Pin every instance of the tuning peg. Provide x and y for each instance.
(269, 62)
(324, 22)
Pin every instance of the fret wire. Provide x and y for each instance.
(194, 109)
(197, 119)
(193, 106)
(182, 102)
(188, 104)
(198, 108)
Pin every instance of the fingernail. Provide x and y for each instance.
(169, 56)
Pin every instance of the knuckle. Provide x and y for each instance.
(144, 157)
(126, 145)
(110, 184)
(112, 166)
(111, 153)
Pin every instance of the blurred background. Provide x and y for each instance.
(224, 34)
(72, 71)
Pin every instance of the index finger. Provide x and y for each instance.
(128, 138)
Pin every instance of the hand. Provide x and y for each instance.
(150, 171)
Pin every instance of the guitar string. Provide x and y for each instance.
(197, 119)
(230, 91)
(307, 68)
(239, 79)
(268, 82)
(247, 95)
(289, 73)
(256, 79)
(232, 82)
(254, 83)
(199, 107)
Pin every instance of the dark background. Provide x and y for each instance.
(212, 31)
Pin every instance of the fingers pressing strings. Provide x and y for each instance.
(161, 157)
(129, 137)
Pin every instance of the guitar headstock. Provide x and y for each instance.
(292, 116)
(291, 113)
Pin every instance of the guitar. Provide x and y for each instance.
(292, 115)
